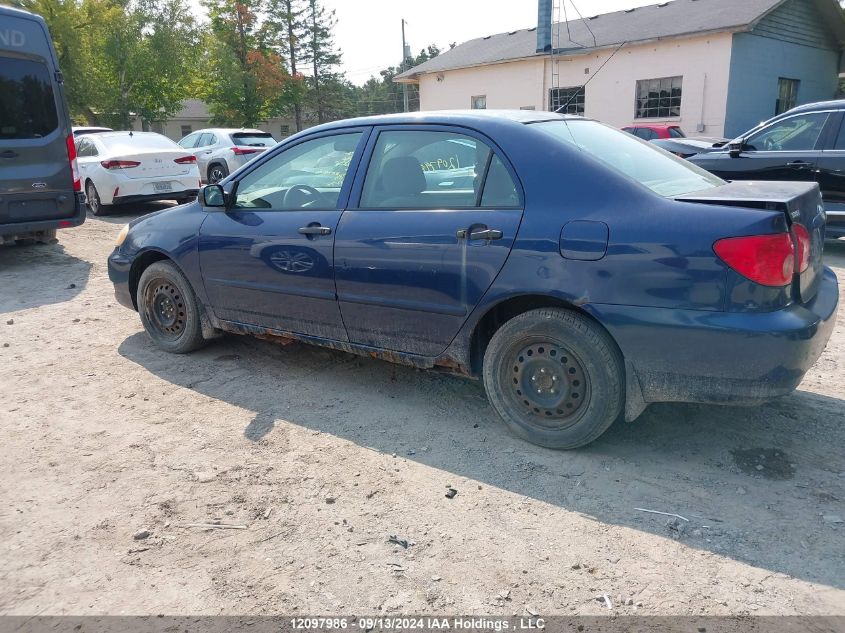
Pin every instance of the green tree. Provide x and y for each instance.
(246, 80)
(384, 96)
(289, 20)
(327, 85)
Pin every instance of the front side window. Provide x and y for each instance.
(190, 141)
(787, 95)
(659, 98)
(427, 170)
(27, 104)
(795, 134)
(567, 100)
(479, 102)
(306, 176)
(660, 171)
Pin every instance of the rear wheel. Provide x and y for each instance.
(169, 309)
(217, 172)
(554, 377)
(97, 207)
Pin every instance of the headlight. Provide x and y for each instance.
(122, 235)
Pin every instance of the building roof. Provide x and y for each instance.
(664, 20)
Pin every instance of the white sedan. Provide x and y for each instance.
(121, 167)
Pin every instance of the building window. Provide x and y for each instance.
(479, 102)
(570, 99)
(787, 94)
(658, 98)
(186, 129)
(284, 130)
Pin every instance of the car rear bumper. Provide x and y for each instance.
(12, 230)
(119, 267)
(723, 357)
(152, 197)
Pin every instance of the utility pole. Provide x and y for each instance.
(402, 67)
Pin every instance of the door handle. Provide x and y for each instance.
(486, 234)
(315, 230)
(800, 164)
(8, 154)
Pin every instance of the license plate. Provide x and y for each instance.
(163, 186)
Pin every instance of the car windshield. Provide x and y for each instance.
(137, 141)
(657, 169)
(253, 139)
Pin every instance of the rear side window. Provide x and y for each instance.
(422, 169)
(253, 140)
(27, 104)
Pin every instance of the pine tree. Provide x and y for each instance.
(290, 21)
(326, 83)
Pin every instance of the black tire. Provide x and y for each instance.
(168, 309)
(96, 207)
(217, 172)
(555, 377)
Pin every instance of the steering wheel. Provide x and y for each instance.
(770, 145)
(300, 196)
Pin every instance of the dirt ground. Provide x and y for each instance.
(321, 456)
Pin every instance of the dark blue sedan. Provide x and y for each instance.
(580, 272)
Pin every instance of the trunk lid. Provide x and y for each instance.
(154, 163)
(800, 202)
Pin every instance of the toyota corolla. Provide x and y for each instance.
(580, 272)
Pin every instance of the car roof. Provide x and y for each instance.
(469, 118)
(654, 126)
(231, 130)
(836, 104)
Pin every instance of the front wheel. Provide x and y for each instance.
(168, 309)
(555, 377)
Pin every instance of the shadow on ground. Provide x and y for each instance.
(39, 274)
(754, 483)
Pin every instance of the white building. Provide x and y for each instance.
(715, 67)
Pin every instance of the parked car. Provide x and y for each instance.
(806, 144)
(90, 129)
(122, 167)
(686, 147)
(40, 190)
(582, 273)
(220, 151)
(651, 131)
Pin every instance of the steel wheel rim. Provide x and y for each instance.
(165, 308)
(548, 383)
(93, 199)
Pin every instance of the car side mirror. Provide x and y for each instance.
(735, 149)
(213, 196)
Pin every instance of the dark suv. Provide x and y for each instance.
(806, 143)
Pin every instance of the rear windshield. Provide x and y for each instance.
(126, 143)
(657, 169)
(253, 139)
(676, 132)
(27, 104)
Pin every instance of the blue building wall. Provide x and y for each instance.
(792, 42)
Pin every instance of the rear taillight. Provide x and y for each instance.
(119, 164)
(243, 151)
(802, 247)
(74, 167)
(768, 260)
(185, 160)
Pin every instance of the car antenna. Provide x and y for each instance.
(575, 94)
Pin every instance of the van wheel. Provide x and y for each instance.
(216, 173)
(94, 204)
(168, 309)
(554, 377)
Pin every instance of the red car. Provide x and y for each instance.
(649, 132)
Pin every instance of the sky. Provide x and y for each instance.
(369, 32)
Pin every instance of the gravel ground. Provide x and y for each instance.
(321, 456)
